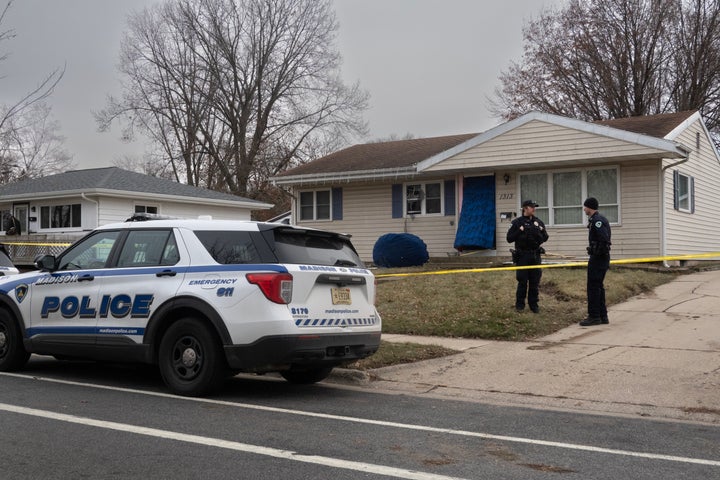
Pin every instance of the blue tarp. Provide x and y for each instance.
(394, 250)
(476, 227)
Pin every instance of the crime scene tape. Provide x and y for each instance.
(37, 244)
(553, 265)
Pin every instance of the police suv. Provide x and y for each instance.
(202, 299)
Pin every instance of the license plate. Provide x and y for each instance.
(341, 296)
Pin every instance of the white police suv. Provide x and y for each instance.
(199, 298)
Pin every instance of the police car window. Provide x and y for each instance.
(314, 248)
(170, 254)
(92, 252)
(145, 248)
(230, 247)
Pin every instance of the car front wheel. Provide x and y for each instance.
(12, 352)
(190, 358)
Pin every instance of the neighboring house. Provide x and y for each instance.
(62, 207)
(657, 179)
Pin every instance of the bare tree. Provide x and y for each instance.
(40, 93)
(32, 146)
(235, 90)
(599, 59)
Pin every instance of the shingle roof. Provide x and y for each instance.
(654, 125)
(380, 155)
(406, 153)
(117, 179)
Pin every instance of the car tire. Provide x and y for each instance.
(12, 352)
(305, 376)
(190, 358)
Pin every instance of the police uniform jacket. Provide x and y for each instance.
(532, 235)
(599, 235)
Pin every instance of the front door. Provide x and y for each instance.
(476, 226)
(20, 211)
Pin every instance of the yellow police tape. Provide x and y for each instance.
(475, 270)
(37, 244)
(554, 265)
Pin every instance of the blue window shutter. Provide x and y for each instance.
(449, 197)
(337, 204)
(397, 201)
(676, 186)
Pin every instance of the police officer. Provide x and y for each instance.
(598, 264)
(528, 232)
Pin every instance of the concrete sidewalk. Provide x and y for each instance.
(659, 357)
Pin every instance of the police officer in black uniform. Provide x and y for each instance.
(598, 264)
(528, 232)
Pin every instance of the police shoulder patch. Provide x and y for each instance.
(598, 224)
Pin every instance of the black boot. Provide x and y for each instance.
(590, 321)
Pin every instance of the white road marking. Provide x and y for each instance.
(424, 428)
(229, 445)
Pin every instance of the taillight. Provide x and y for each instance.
(277, 287)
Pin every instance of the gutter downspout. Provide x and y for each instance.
(663, 212)
(97, 209)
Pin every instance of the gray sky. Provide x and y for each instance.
(428, 64)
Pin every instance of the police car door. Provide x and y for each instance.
(64, 302)
(149, 269)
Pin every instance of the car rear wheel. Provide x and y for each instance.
(190, 358)
(12, 352)
(304, 376)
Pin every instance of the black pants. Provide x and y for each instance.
(528, 280)
(598, 266)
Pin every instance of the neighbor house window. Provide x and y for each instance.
(684, 192)
(560, 194)
(60, 216)
(153, 209)
(423, 198)
(315, 205)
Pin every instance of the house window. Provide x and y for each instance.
(60, 216)
(423, 198)
(315, 205)
(152, 209)
(560, 195)
(684, 192)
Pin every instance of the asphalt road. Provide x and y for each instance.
(85, 420)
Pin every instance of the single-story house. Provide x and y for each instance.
(62, 207)
(657, 179)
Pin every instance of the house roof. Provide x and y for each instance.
(408, 157)
(395, 155)
(120, 182)
(658, 126)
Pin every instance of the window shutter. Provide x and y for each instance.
(337, 204)
(449, 197)
(692, 194)
(397, 201)
(676, 193)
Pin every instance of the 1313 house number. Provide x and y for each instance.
(506, 196)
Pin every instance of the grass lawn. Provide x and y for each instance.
(482, 305)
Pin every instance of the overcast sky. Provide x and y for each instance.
(428, 64)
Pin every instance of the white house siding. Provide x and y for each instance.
(118, 209)
(367, 215)
(538, 143)
(697, 232)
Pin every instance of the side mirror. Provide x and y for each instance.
(46, 263)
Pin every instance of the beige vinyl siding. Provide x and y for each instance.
(367, 215)
(637, 235)
(694, 232)
(537, 143)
